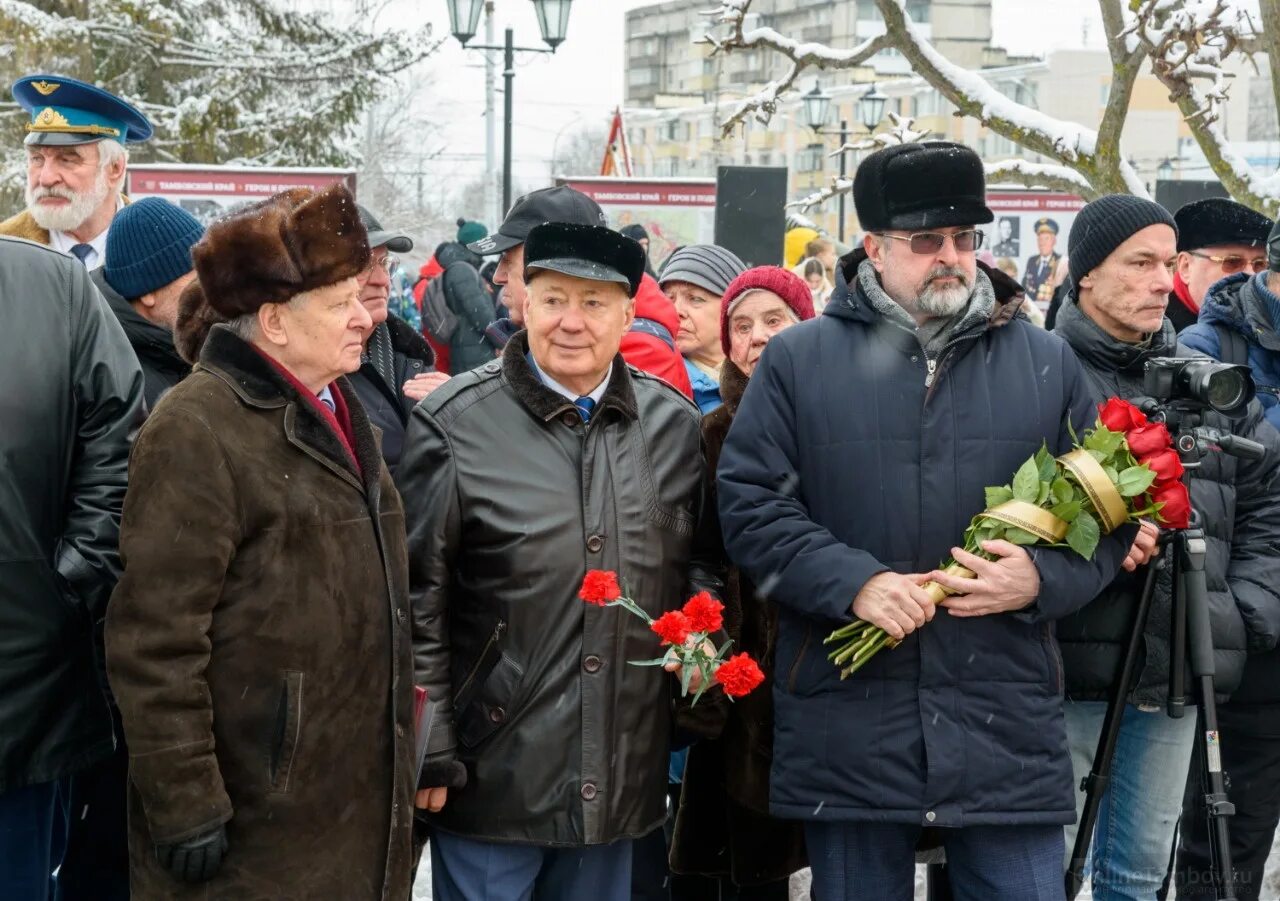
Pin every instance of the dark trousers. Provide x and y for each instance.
(856, 861)
(33, 834)
(96, 864)
(465, 869)
(1251, 761)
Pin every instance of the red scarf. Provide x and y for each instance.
(339, 418)
(1183, 293)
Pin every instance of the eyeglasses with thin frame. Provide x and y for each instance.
(384, 263)
(1234, 263)
(966, 241)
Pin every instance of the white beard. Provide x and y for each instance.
(72, 215)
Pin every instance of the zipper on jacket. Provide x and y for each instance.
(494, 637)
(932, 365)
(935, 364)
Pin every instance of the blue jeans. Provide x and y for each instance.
(857, 861)
(1139, 813)
(33, 837)
(467, 869)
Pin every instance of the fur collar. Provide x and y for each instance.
(23, 225)
(544, 403)
(257, 384)
(732, 385)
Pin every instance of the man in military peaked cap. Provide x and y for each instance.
(550, 754)
(76, 161)
(1038, 278)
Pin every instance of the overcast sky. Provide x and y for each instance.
(557, 95)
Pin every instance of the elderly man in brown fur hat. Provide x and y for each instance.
(259, 643)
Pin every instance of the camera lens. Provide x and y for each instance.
(1225, 390)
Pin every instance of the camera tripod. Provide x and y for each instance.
(1182, 553)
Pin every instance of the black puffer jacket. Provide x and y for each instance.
(471, 302)
(387, 406)
(70, 391)
(1240, 503)
(162, 368)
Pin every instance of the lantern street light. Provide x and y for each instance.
(553, 22)
(817, 107)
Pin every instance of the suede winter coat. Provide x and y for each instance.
(70, 392)
(259, 641)
(162, 367)
(1239, 501)
(564, 743)
(723, 827)
(848, 458)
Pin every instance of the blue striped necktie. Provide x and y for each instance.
(585, 405)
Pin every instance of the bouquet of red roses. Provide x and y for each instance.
(684, 632)
(1123, 469)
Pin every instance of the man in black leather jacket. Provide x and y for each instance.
(564, 744)
(70, 391)
(1115, 324)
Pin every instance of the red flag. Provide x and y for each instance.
(617, 156)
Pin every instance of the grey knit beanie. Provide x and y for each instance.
(1106, 223)
(708, 266)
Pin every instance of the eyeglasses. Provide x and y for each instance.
(1233, 264)
(966, 241)
(384, 263)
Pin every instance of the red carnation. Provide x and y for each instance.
(704, 613)
(672, 627)
(1176, 512)
(1148, 439)
(1120, 415)
(739, 675)
(600, 586)
(1165, 464)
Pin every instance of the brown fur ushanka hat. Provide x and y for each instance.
(295, 241)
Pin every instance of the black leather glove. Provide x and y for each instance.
(197, 859)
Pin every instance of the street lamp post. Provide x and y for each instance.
(553, 22)
(817, 106)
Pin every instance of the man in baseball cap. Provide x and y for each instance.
(559, 204)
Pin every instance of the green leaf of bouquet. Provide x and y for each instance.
(1111, 473)
(1026, 482)
(1045, 463)
(1100, 456)
(998, 494)
(685, 677)
(1071, 430)
(1083, 535)
(1062, 491)
(1068, 510)
(1105, 440)
(1018, 536)
(1043, 494)
(1135, 480)
(658, 662)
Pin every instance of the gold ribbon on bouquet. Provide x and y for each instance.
(1089, 475)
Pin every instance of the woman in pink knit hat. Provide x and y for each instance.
(723, 828)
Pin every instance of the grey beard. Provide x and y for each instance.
(944, 301)
(74, 214)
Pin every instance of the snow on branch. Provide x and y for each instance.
(1040, 175)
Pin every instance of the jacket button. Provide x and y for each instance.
(400, 730)
(931, 816)
(492, 367)
(571, 419)
(592, 664)
(497, 715)
(594, 543)
(588, 791)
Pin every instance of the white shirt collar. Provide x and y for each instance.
(64, 242)
(325, 395)
(595, 394)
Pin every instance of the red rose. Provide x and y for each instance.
(1120, 415)
(1166, 464)
(672, 627)
(1148, 439)
(739, 675)
(600, 586)
(1176, 512)
(704, 613)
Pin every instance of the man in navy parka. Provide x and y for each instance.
(858, 456)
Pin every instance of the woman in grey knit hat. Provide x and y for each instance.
(695, 278)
